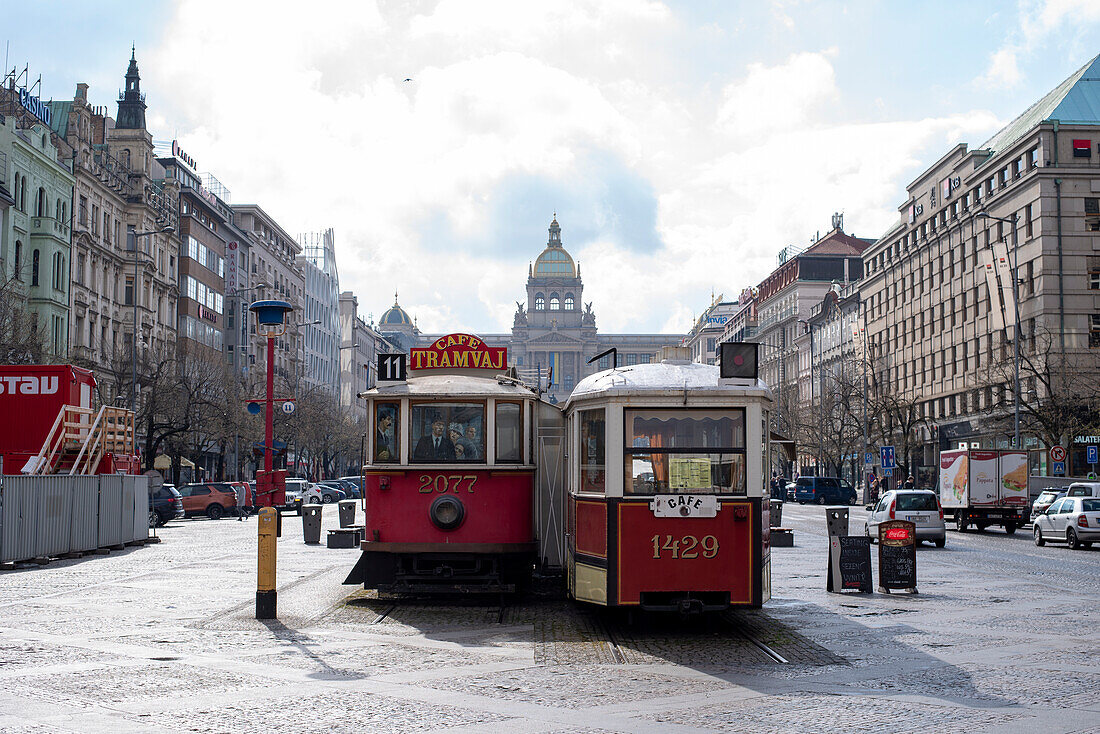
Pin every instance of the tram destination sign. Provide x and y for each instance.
(463, 351)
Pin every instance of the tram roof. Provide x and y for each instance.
(661, 378)
(448, 385)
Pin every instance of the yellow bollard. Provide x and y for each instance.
(265, 571)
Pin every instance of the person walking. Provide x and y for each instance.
(909, 483)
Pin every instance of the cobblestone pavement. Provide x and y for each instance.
(1001, 638)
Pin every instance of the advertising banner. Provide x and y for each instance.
(984, 478)
(1012, 478)
(954, 478)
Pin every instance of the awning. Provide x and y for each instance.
(786, 444)
(163, 463)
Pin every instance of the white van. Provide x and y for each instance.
(295, 494)
(1083, 489)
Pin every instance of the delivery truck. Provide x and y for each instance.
(979, 488)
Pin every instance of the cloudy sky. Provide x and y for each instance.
(682, 144)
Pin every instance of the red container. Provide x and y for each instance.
(31, 396)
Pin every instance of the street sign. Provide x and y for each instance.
(887, 456)
(1057, 453)
(1091, 454)
(888, 472)
(868, 458)
(1059, 469)
(288, 407)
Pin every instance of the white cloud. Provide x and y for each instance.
(311, 120)
(1003, 71)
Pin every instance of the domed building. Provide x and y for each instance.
(555, 330)
(398, 328)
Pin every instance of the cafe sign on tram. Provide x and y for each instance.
(458, 351)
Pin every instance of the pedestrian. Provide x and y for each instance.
(909, 483)
(242, 500)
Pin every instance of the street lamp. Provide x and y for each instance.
(1016, 307)
(271, 319)
(134, 299)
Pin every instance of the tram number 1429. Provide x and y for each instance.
(686, 547)
(443, 483)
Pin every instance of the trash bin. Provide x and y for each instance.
(311, 524)
(837, 520)
(776, 517)
(347, 513)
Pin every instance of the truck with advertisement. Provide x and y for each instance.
(51, 425)
(979, 488)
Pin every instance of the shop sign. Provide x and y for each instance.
(458, 351)
(35, 106)
(1086, 439)
(231, 268)
(208, 314)
(177, 153)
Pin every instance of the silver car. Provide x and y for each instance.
(919, 506)
(1074, 520)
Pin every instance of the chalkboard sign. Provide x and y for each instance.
(850, 564)
(897, 556)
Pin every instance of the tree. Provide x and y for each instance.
(894, 416)
(20, 340)
(1060, 390)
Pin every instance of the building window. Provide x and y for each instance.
(18, 260)
(540, 302)
(1094, 276)
(1094, 330)
(34, 268)
(41, 207)
(569, 302)
(555, 302)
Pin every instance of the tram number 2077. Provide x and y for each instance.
(685, 547)
(443, 483)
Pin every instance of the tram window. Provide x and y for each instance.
(592, 450)
(509, 433)
(445, 432)
(672, 451)
(387, 431)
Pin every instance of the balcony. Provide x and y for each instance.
(49, 227)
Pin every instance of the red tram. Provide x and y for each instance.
(666, 507)
(448, 493)
(657, 469)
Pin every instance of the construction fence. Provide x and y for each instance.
(52, 515)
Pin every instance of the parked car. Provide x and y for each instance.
(823, 491)
(1045, 499)
(1073, 520)
(164, 504)
(323, 494)
(353, 486)
(295, 495)
(919, 506)
(212, 499)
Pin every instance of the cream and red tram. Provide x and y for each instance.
(666, 506)
(449, 479)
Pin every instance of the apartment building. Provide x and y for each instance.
(125, 242)
(270, 262)
(939, 300)
(707, 330)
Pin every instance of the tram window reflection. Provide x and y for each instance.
(682, 451)
(592, 451)
(447, 432)
(509, 433)
(386, 433)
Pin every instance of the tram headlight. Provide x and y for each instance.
(447, 513)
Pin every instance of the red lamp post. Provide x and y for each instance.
(270, 484)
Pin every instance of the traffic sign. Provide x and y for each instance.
(888, 472)
(1059, 468)
(1091, 454)
(1057, 453)
(887, 455)
(288, 407)
(868, 458)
